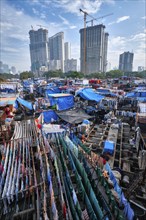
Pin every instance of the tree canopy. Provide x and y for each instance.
(26, 75)
(56, 73)
(5, 76)
(74, 74)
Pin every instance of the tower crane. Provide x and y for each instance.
(85, 16)
(98, 18)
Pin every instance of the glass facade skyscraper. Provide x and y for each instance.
(38, 49)
(56, 48)
(126, 62)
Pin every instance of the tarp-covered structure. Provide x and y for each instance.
(8, 87)
(73, 116)
(89, 94)
(139, 95)
(52, 90)
(49, 116)
(25, 103)
(106, 92)
(62, 101)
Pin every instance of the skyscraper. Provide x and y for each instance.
(70, 65)
(67, 50)
(126, 61)
(93, 49)
(38, 48)
(56, 48)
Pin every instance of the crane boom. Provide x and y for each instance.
(98, 18)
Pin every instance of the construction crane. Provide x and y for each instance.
(85, 16)
(98, 18)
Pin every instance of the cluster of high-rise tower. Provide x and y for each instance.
(50, 53)
(53, 54)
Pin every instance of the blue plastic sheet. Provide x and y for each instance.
(138, 95)
(128, 211)
(52, 90)
(49, 115)
(25, 103)
(89, 94)
(65, 103)
(109, 147)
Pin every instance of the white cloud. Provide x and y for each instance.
(74, 6)
(122, 19)
(42, 16)
(65, 21)
(138, 37)
(10, 49)
(144, 17)
(118, 45)
(15, 27)
(19, 13)
(35, 11)
(73, 27)
(6, 25)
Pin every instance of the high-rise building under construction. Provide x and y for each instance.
(93, 49)
(126, 62)
(38, 48)
(56, 48)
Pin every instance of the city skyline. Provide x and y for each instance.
(126, 29)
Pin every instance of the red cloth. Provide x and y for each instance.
(64, 210)
(39, 126)
(104, 161)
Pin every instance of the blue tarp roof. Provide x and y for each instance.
(63, 101)
(105, 92)
(25, 103)
(49, 115)
(109, 147)
(89, 94)
(138, 95)
(53, 90)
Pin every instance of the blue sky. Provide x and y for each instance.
(126, 27)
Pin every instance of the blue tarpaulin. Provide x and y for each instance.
(128, 211)
(105, 92)
(49, 115)
(89, 94)
(25, 103)
(138, 95)
(108, 147)
(63, 101)
(52, 90)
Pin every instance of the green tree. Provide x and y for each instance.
(95, 76)
(8, 76)
(114, 74)
(56, 73)
(26, 75)
(74, 74)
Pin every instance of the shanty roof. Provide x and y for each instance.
(73, 116)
